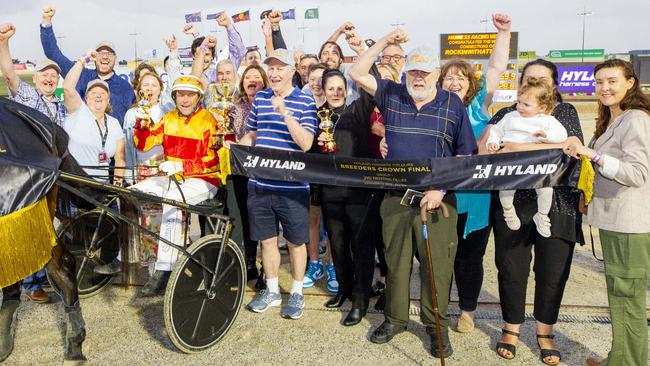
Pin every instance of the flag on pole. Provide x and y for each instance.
(289, 14)
(213, 16)
(193, 17)
(265, 13)
(311, 13)
(241, 17)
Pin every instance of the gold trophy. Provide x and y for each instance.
(326, 124)
(220, 108)
(144, 108)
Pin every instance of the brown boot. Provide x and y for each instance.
(39, 296)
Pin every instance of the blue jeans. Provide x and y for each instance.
(35, 282)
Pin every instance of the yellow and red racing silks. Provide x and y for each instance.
(185, 139)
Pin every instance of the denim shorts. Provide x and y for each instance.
(267, 209)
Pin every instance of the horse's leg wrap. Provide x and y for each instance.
(75, 332)
(61, 272)
(10, 302)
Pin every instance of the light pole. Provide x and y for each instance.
(135, 45)
(397, 24)
(584, 16)
(484, 21)
(303, 29)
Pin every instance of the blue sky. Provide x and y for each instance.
(543, 25)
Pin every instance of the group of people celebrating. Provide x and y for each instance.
(388, 104)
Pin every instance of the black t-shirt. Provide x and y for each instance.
(566, 219)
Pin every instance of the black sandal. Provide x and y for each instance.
(547, 352)
(512, 348)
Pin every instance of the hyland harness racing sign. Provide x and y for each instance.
(524, 170)
(576, 79)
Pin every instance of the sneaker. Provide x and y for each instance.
(264, 300)
(110, 269)
(314, 273)
(332, 282)
(543, 224)
(510, 215)
(294, 307)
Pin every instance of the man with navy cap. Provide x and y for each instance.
(122, 95)
(422, 121)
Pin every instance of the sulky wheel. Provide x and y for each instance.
(194, 320)
(84, 236)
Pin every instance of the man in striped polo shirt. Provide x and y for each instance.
(422, 121)
(283, 118)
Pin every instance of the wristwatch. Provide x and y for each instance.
(287, 113)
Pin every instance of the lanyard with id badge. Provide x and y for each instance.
(103, 156)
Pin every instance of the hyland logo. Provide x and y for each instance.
(503, 170)
(251, 161)
(256, 162)
(482, 173)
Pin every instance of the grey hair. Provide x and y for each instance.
(227, 61)
(396, 45)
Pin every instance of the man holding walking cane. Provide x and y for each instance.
(422, 121)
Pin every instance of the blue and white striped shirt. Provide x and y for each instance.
(272, 132)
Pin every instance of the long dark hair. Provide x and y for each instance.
(634, 98)
(554, 75)
(336, 47)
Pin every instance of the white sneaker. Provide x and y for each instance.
(510, 215)
(543, 224)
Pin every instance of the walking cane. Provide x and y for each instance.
(432, 281)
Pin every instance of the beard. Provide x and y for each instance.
(421, 95)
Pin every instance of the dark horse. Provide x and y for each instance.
(61, 269)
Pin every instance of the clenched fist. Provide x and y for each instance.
(47, 14)
(6, 31)
(502, 22)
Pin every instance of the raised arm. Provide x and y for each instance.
(71, 97)
(268, 36)
(360, 70)
(49, 44)
(343, 29)
(276, 33)
(499, 58)
(235, 43)
(198, 65)
(6, 65)
(175, 68)
(355, 42)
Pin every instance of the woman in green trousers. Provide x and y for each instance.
(620, 153)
